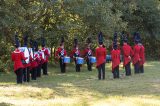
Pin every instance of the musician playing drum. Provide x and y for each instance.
(60, 54)
(75, 54)
(46, 58)
(26, 70)
(88, 53)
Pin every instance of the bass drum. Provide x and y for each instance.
(30, 52)
(42, 53)
(25, 50)
(49, 50)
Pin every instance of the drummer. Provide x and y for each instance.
(75, 54)
(60, 54)
(35, 61)
(88, 53)
(26, 70)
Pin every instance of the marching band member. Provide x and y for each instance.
(142, 56)
(88, 53)
(26, 70)
(31, 52)
(127, 54)
(35, 61)
(115, 55)
(17, 57)
(101, 57)
(46, 57)
(40, 54)
(60, 53)
(136, 56)
(75, 54)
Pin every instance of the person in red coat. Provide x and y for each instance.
(26, 70)
(60, 54)
(40, 54)
(35, 60)
(142, 57)
(101, 57)
(115, 55)
(127, 54)
(75, 54)
(87, 54)
(136, 56)
(46, 57)
(17, 57)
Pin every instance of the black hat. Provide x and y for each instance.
(115, 37)
(16, 41)
(125, 39)
(136, 37)
(100, 38)
(25, 38)
(114, 45)
(43, 42)
(75, 42)
(31, 43)
(62, 41)
(35, 45)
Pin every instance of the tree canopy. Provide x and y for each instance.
(53, 19)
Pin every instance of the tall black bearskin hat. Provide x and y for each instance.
(16, 41)
(25, 38)
(43, 42)
(88, 41)
(31, 43)
(139, 37)
(122, 35)
(114, 45)
(136, 37)
(100, 38)
(62, 41)
(125, 40)
(75, 42)
(115, 37)
(35, 45)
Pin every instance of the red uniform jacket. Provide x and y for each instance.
(75, 53)
(100, 55)
(127, 51)
(115, 55)
(17, 56)
(27, 65)
(46, 54)
(40, 58)
(87, 52)
(142, 55)
(136, 51)
(35, 60)
(61, 52)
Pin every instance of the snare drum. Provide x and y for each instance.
(108, 57)
(93, 59)
(66, 59)
(80, 60)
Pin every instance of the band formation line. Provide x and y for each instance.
(30, 60)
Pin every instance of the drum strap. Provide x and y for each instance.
(29, 54)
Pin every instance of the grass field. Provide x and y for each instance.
(83, 89)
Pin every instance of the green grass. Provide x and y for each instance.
(83, 89)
